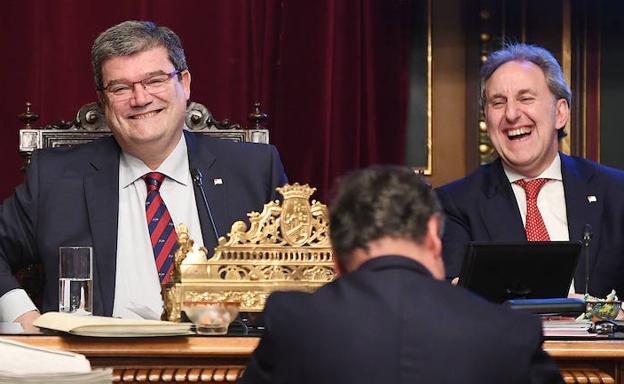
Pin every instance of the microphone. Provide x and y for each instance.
(587, 236)
(198, 181)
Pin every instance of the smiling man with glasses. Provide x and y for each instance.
(124, 195)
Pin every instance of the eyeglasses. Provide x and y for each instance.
(152, 84)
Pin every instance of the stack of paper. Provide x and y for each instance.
(567, 328)
(109, 326)
(23, 363)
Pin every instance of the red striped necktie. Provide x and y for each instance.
(162, 231)
(535, 227)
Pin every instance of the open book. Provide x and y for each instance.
(100, 326)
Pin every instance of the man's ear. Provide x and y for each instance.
(562, 113)
(434, 244)
(186, 84)
(339, 267)
(353, 260)
(433, 232)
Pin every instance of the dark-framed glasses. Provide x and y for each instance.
(152, 84)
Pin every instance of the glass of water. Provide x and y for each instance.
(76, 280)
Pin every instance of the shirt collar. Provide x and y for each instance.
(174, 167)
(553, 172)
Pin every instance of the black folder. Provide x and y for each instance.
(501, 271)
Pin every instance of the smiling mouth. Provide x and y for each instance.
(146, 115)
(518, 133)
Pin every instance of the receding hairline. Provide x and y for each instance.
(525, 90)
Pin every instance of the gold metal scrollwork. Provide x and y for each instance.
(285, 248)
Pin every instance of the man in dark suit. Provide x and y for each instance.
(390, 318)
(526, 104)
(95, 194)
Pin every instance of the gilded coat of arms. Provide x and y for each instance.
(296, 218)
(285, 248)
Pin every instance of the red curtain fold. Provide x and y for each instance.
(330, 74)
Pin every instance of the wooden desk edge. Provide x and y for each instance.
(146, 347)
(244, 346)
(585, 349)
(170, 359)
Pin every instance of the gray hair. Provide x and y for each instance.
(533, 54)
(380, 201)
(132, 37)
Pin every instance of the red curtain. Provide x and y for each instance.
(332, 75)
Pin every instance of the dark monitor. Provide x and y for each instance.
(501, 271)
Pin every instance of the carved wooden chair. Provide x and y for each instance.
(90, 125)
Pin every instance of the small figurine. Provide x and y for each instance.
(187, 248)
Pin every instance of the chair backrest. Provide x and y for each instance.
(90, 124)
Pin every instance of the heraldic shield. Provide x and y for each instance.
(296, 222)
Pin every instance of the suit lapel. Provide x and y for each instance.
(201, 158)
(584, 205)
(102, 196)
(499, 208)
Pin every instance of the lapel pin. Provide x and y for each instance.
(220, 181)
(591, 199)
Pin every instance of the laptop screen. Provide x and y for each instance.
(500, 271)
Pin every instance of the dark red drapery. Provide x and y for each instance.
(332, 75)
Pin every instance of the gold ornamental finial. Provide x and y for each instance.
(257, 117)
(28, 117)
(296, 191)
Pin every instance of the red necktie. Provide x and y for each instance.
(535, 227)
(162, 231)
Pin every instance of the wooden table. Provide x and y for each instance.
(589, 361)
(164, 359)
(222, 359)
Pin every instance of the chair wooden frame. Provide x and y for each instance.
(90, 125)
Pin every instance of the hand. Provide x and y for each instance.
(26, 321)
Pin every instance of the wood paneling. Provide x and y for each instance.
(448, 91)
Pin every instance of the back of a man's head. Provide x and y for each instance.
(379, 202)
(377, 326)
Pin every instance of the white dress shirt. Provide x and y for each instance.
(15, 303)
(550, 201)
(137, 287)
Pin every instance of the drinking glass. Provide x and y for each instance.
(76, 280)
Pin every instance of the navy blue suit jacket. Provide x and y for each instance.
(391, 322)
(482, 207)
(71, 198)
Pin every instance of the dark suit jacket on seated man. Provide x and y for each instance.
(391, 318)
(526, 103)
(95, 195)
